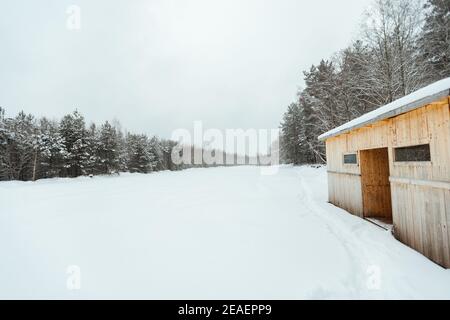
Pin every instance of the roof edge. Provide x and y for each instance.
(390, 114)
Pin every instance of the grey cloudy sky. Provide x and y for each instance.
(160, 65)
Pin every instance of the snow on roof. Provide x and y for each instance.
(417, 99)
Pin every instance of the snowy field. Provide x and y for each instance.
(201, 234)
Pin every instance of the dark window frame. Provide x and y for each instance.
(345, 155)
(420, 153)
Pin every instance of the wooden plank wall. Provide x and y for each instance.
(344, 181)
(345, 192)
(421, 219)
(420, 191)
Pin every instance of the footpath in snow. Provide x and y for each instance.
(223, 233)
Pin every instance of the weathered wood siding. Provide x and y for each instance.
(345, 192)
(420, 191)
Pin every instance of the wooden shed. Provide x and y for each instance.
(392, 166)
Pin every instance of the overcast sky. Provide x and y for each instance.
(158, 65)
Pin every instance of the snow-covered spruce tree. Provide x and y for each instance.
(50, 150)
(166, 148)
(122, 151)
(108, 149)
(313, 150)
(20, 147)
(92, 162)
(73, 131)
(434, 42)
(157, 153)
(322, 89)
(4, 155)
(291, 128)
(166, 151)
(299, 130)
(7, 148)
(139, 157)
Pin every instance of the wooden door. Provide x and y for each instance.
(375, 184)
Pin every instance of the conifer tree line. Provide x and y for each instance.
(403, 46)
(32, 149)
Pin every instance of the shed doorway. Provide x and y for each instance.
(375, 185)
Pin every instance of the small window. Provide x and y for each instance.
(413, 154)
(350, 158)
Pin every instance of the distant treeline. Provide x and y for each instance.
(404, 45)
(32, 149)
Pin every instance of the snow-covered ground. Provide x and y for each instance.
(200, 234)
